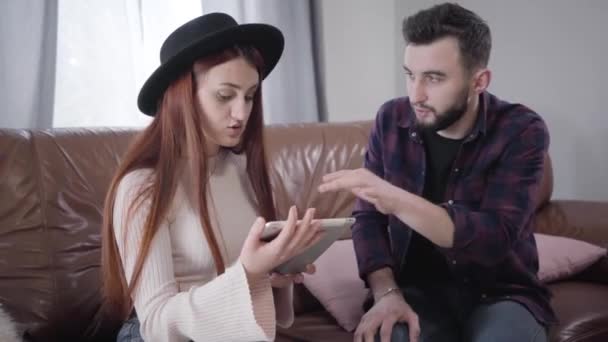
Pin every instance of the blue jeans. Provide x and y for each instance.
(452, 315)
(129, 332)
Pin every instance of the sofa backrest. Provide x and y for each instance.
(52, 189)
(302, 153)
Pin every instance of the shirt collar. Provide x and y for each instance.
(408, 117)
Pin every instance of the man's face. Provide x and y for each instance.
(437, 83)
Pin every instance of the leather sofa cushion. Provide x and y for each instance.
(314, 326)
(583, 311)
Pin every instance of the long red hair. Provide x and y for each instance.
(177, 131)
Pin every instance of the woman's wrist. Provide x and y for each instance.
(252, 276)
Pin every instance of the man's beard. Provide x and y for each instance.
(447, 118)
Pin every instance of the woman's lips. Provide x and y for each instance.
(235, 131)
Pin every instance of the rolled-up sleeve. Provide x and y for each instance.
(369, 233)
(487, 234)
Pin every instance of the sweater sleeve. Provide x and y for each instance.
(283, 301)
(227, 308)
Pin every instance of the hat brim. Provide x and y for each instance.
(267, 39)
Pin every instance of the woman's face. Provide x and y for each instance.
(225, 94)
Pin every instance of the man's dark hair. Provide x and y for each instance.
(451, 20)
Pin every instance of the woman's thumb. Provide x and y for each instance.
(257, 228)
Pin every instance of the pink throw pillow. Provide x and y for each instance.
(337, 286)
(560, 257)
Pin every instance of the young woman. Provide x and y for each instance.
(182, 254)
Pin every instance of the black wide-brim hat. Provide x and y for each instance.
(201, 37)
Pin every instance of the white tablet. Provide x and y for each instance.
(334, 228)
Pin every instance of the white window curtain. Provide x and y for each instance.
(105, 50)
(27, 62)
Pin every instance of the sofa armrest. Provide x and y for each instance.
(582, 310)
(582, 220)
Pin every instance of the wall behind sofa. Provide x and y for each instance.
(548, 54)
(359, 64)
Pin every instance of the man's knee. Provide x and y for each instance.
(504, 321)
(530, 334)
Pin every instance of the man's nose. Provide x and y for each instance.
(416, 92)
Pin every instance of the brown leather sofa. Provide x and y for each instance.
(52, 185)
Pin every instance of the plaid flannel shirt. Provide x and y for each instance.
(491, 197)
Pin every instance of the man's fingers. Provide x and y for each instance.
(347, 179)
(386, 330)
(370, 334)
(334, 175)
(354, 182)
(414, 327)
(369, 329)
(341, 180)
(364, 325)
(333, 185)
(358, 335)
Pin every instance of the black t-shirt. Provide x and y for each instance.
(424, 263)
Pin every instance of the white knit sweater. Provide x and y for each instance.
(179, 296)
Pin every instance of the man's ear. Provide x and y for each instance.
(481, 80)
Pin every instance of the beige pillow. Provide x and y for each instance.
(337, 286)
(560, 257)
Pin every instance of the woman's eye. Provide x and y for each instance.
(223, 97)
(249, 98)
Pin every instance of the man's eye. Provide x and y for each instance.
(434, 79)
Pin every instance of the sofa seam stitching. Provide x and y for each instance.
(45, 225)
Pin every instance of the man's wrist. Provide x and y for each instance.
(381, 294)
(399, 198)
(382, 280)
